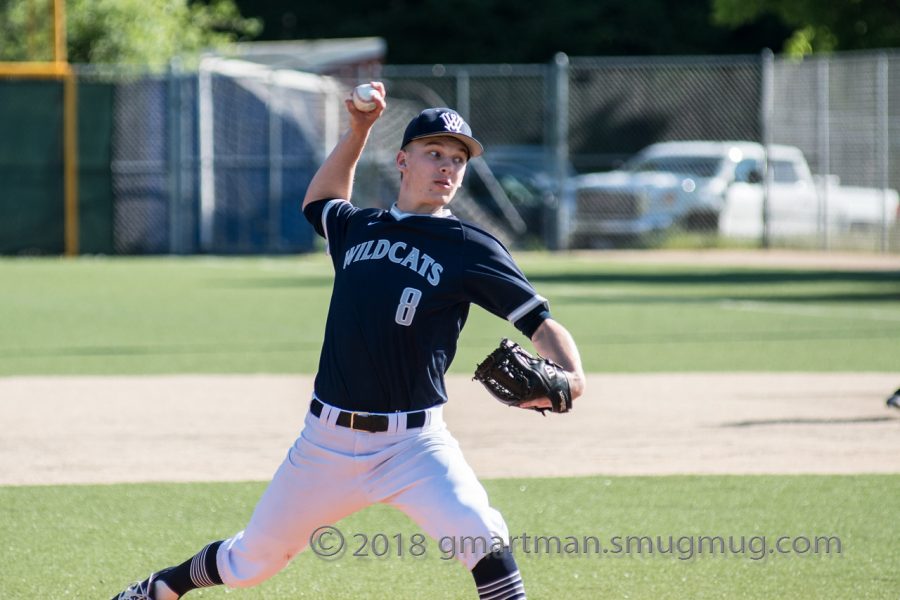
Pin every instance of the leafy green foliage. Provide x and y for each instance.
(26, 30)
(818, 26)
(515, 31)
(129, 32)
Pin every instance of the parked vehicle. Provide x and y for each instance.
(518, 185)
(719, 187)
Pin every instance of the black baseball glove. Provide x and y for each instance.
(514, 376)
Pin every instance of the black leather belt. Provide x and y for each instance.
(366, 421)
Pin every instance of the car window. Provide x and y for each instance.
(699, 166)
(783, 171)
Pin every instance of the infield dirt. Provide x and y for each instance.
(63, 430)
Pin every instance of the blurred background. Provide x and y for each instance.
(134, 127)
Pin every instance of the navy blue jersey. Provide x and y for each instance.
(402, 289)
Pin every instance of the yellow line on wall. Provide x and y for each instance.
(33, 70)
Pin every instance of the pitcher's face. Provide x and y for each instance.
(432, 169)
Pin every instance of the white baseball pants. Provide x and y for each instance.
(331, 472)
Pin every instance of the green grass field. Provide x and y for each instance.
(85, 541)
(212, 315)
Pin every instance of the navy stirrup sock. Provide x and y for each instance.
(497, 577)
(198, 572)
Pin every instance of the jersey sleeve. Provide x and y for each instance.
(329, 218)
(493, 281)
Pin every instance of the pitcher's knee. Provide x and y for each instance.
(474, 535)
(245, 562)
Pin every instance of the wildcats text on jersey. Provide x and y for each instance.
(395, 252)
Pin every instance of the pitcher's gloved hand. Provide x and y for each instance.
(513, 376)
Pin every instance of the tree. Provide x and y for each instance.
(131, 32)
(821, 26)
(516, 31)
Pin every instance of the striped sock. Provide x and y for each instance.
(506, 588)
(204, 571)
(497, 577)
(198, 572)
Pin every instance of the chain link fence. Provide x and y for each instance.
(618, 108)
(843, 112)
(732, 151)
(139, 163)
(589, 152)
(211, 161)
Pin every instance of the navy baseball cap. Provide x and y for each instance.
(433, 122)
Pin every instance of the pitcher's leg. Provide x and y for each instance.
(313, 487)
(433, 484)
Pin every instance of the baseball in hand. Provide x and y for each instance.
(362, 97)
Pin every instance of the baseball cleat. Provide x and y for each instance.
(895, 399)
(138, 591)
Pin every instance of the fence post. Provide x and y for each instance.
(173, 166)
(463, 94)
(275, 162)
(823, 110)
(884, 143)
(765, 118)
(205, 126)
(558, 235)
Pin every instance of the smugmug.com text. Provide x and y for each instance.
(329, 542)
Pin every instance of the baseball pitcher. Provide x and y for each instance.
(404, 281)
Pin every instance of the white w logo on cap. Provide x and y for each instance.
(452, 121)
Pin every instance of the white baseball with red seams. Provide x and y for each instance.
(362, 97)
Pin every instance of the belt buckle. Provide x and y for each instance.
(353, 419)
